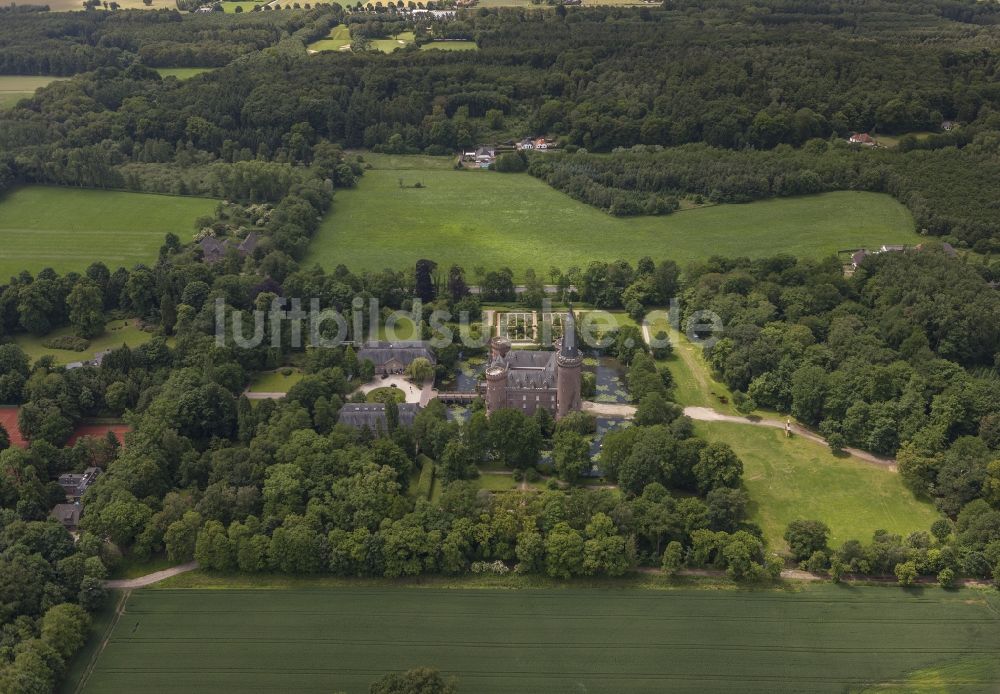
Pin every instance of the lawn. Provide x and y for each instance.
(398, 41)
(450, 46)
(338, 39)
(69, 228)
(796, 478)
(485, 218)
(182, 73)
(116, 333)
(818, 638)
(13, 88)
(275, 381)
(694, 385)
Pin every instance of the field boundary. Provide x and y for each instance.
(119, 611)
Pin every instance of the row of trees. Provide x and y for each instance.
(945, 186)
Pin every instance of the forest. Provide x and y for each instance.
(601, 80)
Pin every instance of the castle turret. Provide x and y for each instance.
(569, 370)
(499, 347)
(496, 386)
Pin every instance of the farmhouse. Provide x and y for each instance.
(862, 139)
(372, 416)
(213, 250)
(68, 515)
(529, 380)
(485, 155)
(75, 484)
(394, 357)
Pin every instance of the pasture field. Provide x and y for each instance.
(520, 222)
(182, 73)
(796, 478)
(116, 333)
(69, 228)
(338, 39)
(13, 88)
(817, 638)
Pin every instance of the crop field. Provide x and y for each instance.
(818, 639)
(796, 478)
(521, 223)
(13, 88)
(69, 228)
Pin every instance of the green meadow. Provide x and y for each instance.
(450, 46)
(182, 73)
(319, 640)
(13, 88)
(116, 333)
(483, 218)
(70, 228)
(338, 39)
(795, 478)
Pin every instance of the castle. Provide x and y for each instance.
(529, 380)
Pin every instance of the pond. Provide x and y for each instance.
(610, 375)
(464, 376)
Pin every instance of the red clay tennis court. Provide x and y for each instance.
(8, 418)
(98, 430)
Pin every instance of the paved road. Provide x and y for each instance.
(150, 579)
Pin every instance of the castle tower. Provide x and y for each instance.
(496, 386)
(499, 347)
(569, 370)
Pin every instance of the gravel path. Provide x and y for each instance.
(150, 579)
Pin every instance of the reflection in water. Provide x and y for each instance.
(610, 375)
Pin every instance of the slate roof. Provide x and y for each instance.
(67, 514)
(372, 415)
(76, 483)
(214, 250)
(382, 353)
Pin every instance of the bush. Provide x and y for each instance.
(532, 475)
(426, 481)
(816, 563)
(946, 577)
(67, 342)
(906, 573)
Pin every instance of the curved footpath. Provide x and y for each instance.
(707, 414)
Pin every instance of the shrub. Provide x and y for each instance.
(490, 567)
(67, 342)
